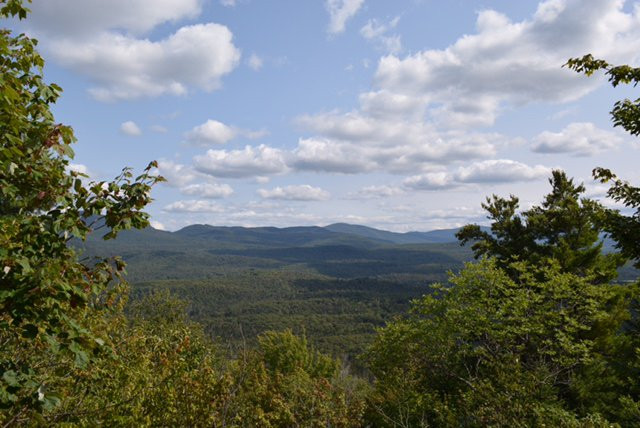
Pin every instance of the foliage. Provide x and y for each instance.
(286, 383)
(166, 372)
(564, 230)
(492, 350)
(45, 292)
(338, 316)
(625, 113)
(624, 228)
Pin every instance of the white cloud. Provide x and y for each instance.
(325, 155)
(384, 191)
(340, 11)
(251, 161)
(430, 181)
(62, 18)
(208, 190)
(210, 132)
(495, 171)
(228, 3)
(194, 206)
(421, 106)
(354, 143)
(130, 128)
(377, 32)
(157, 225)
(295, 193)
(255, 62)
(215, 132)
(501, 171)
(581, 139)
(125, 67)
(384, 104)
(177, 175)
(515, 62)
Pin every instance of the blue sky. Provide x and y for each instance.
(401, 115)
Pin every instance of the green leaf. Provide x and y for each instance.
(12, 378)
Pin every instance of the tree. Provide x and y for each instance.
(45, 291)
(492, 350)
(564, 230)
(625, 230)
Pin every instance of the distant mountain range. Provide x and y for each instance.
(339, 250)
(339, 233)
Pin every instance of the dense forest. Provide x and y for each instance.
(536, 331)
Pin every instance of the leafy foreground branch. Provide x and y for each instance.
(46, 294)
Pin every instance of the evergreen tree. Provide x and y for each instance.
(564, 230)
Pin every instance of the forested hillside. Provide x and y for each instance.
(335, 287)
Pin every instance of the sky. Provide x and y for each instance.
(400, 115)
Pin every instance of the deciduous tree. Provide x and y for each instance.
(45, 291)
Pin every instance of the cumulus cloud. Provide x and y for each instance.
(208, 190)
(255, 62)
(103, 40)
(580, 139)
(430, 181)
(515, 62)
(328, 156)
(67, 18)
(302, 192)
(177, 175)
(501, 171)
(248, 162)
(216, 132)
(422, 106)
(126, 68)
(340, 11)
(194, 206)
(495, 171)
(355, 143)
(384, 191)
(210, 132)
(130, 128)
(377, 32)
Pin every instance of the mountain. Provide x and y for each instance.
(268, 236)
(432, 237)
(335, 284)
(338, 251)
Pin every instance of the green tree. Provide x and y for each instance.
(285, 382)
(45, 291)
(625, 230)
(564, 230)
(491, 350)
